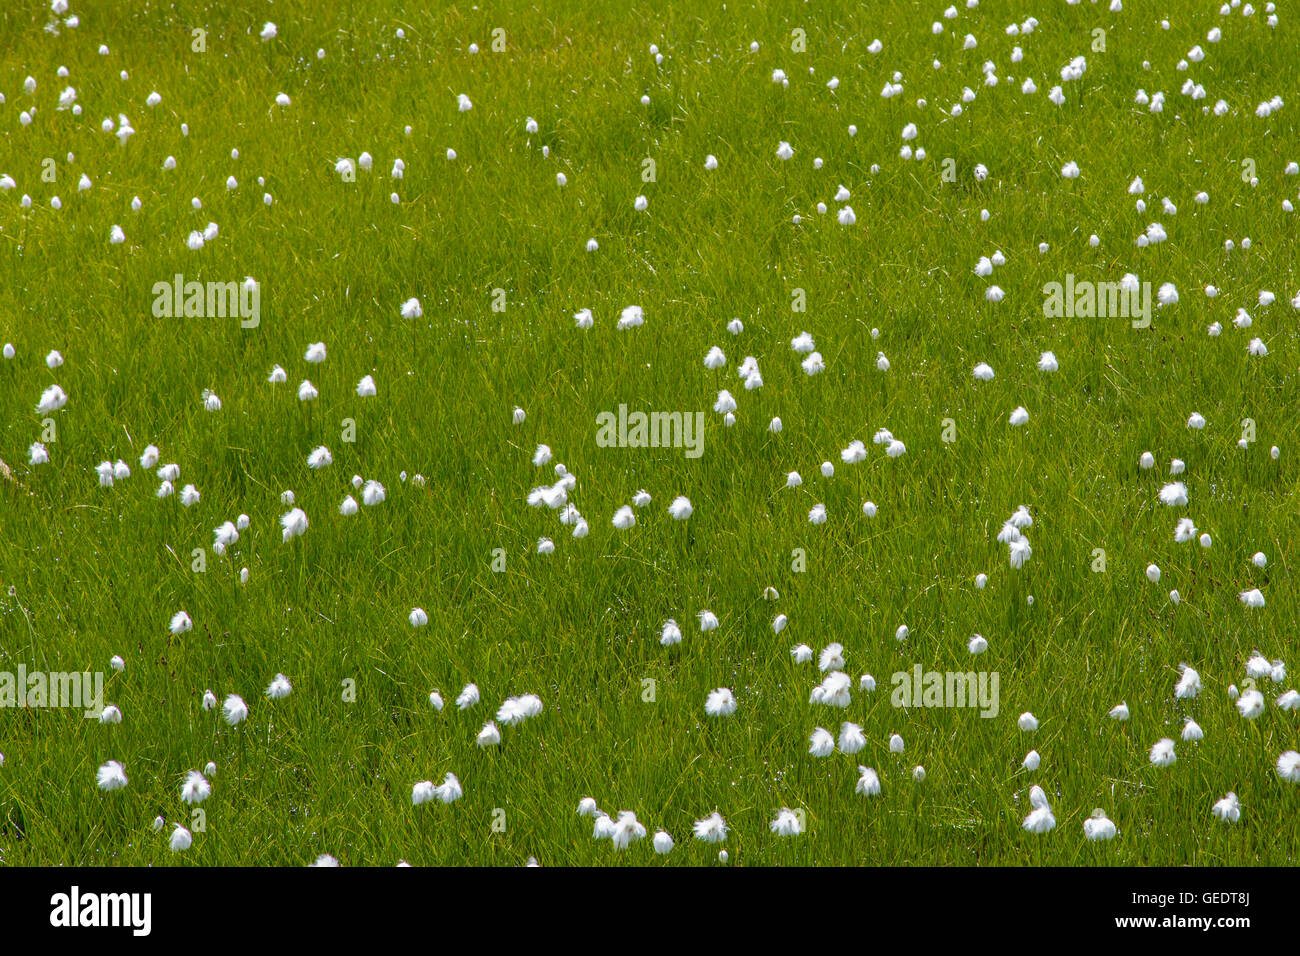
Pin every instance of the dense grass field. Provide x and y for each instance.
(496, 250)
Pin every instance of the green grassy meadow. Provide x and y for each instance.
(88, 572)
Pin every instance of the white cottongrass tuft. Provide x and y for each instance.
(468, 697)
(851, 738)
(1250, 704)
(821, 743)
(196, 788)
(294, 523)
(449, 790)
(234, 709)
(868, 784)
(180, 840)
(1099, 826)
(711, 829)
(833, 691)
(1252, 598)
(110, 776)
(720, 703)
(1174, 494)
(515, 710)
(1189, 683)
(1040, 818)
(52, 399)
(787, 823)
(1227, 809)
(1288, 766)
(1162, 753)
